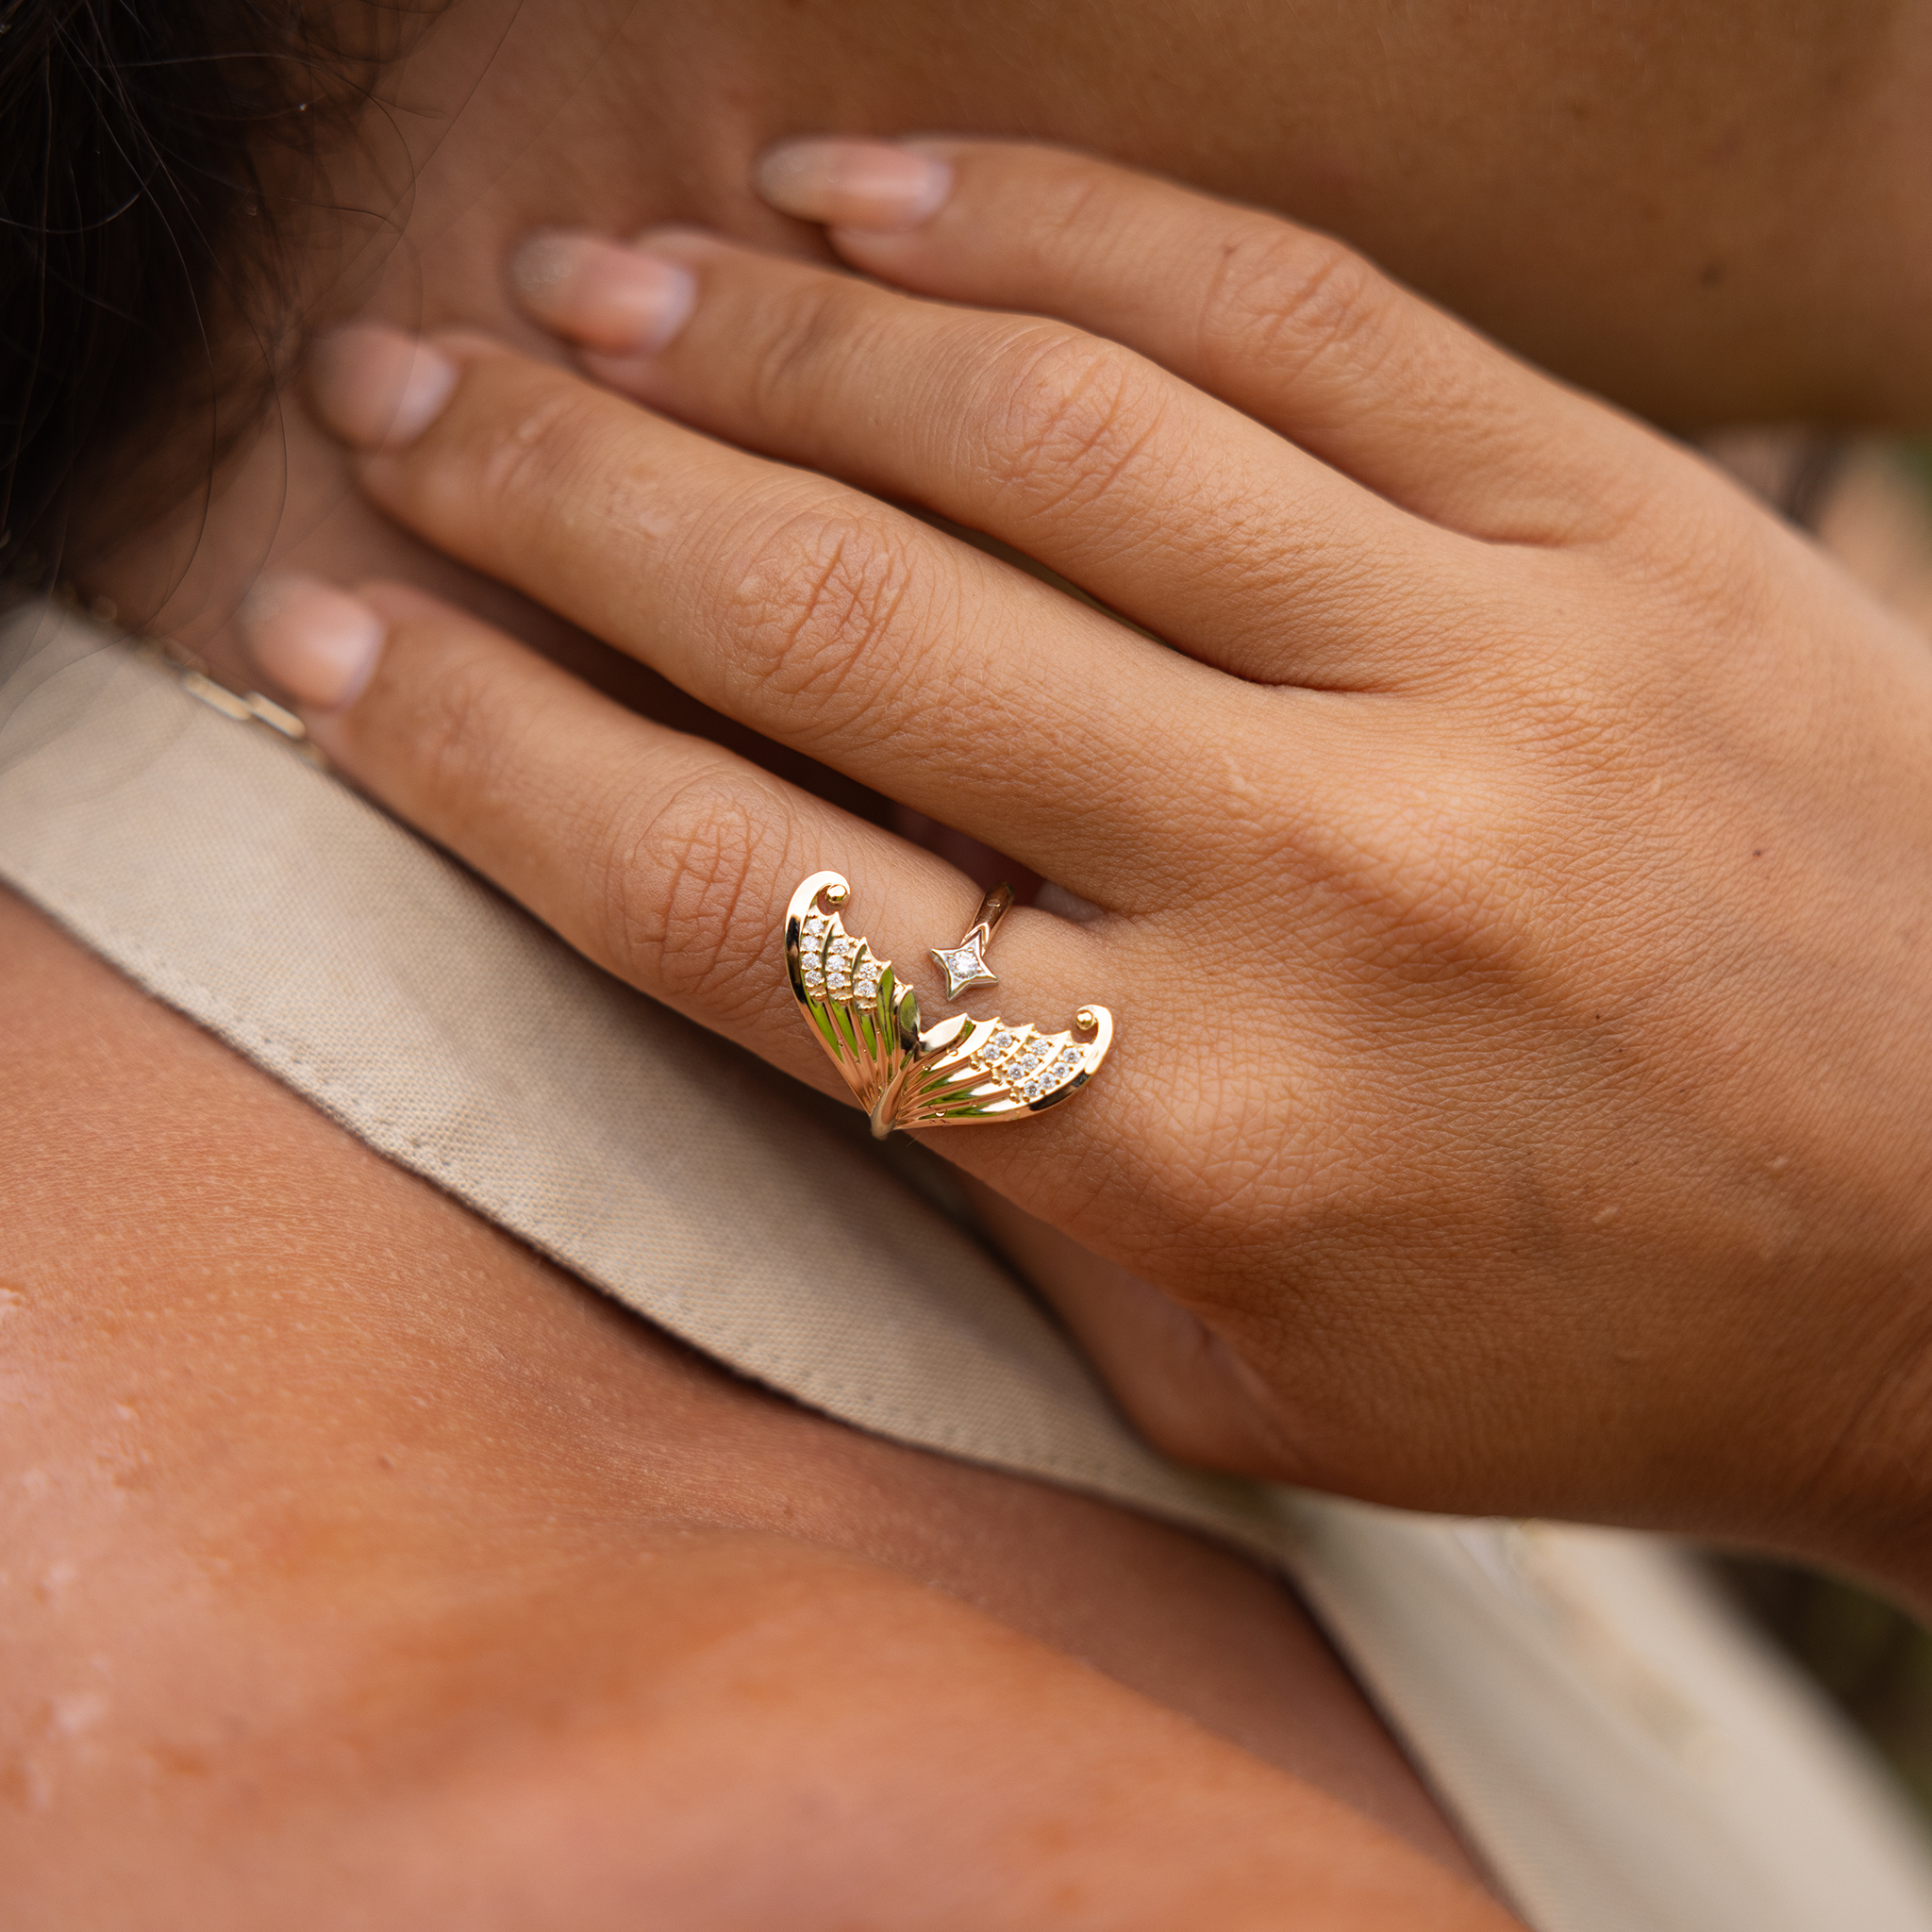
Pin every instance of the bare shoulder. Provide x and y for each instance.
(356, 1560)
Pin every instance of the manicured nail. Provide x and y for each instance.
(622, 301)
(319, 645)
(853, 184)
(377, 388)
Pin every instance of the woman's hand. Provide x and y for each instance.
(1514, 887)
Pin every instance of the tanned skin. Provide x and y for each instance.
(355, 1562)
(359, 1563)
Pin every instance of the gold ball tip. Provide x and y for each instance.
(1085, 1021)
(836, 896)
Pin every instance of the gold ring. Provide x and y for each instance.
(962, 1072)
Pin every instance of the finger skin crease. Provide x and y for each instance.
(1081, 414)
(686, 882)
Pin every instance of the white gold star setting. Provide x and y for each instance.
(965, 965)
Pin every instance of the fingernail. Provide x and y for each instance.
(622, 301)
(377, 388)
(319, 645)
(853, 184)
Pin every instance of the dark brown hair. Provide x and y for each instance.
(132, 141)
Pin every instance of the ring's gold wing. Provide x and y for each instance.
(961, 1072)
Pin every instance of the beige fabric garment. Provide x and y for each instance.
(1624, 1753)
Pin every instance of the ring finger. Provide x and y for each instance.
(660, 856)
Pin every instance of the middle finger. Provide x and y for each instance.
(817, 615)
(1162, 501)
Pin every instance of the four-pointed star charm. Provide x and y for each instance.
(965, 965)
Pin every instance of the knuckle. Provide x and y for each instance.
(830, 319)
(1073, 414)
(1304, 301)
(530, 466)
(1069, 198)
(1695, 547)
(686, 891)
(817, 611)
(454, 733)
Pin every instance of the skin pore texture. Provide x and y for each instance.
(360, 1567)
(360, 1554)
(1707, 216)
(1561, 822)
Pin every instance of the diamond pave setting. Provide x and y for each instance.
(956, 1071)
(834, 965)
(1030, 1065)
